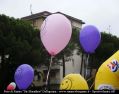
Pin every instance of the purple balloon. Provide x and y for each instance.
(24, 76)
(90, 38)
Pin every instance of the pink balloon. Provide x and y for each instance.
(13, 84)
(55, 33)
(10, 87)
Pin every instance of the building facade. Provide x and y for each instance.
(38, 18)
(72, 66)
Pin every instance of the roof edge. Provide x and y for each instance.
(34, 16)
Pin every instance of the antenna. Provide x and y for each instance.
(109, 29)
(31, 9)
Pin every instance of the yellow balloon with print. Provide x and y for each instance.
(107, 76)
(74, 82)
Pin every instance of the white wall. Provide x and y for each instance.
(71, 66)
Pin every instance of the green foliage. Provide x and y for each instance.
(73, 45)
(23, 44)
(16, 39)
(108, 46)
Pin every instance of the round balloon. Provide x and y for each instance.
(13, 84)
(74, 82)
(55, 33)
(10, 87)
(89, 38)
(107, 76)
(24, 76)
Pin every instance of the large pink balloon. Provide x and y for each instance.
(55, 33)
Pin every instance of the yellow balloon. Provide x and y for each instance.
(107, 76)
(74, 82)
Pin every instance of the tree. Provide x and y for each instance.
(67, 53)
(21, 42)
(108, 46)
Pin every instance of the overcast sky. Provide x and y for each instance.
(104, 14)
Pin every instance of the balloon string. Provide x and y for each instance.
(90, 78)
(92, 85)
(87, 61)
(49, 71)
